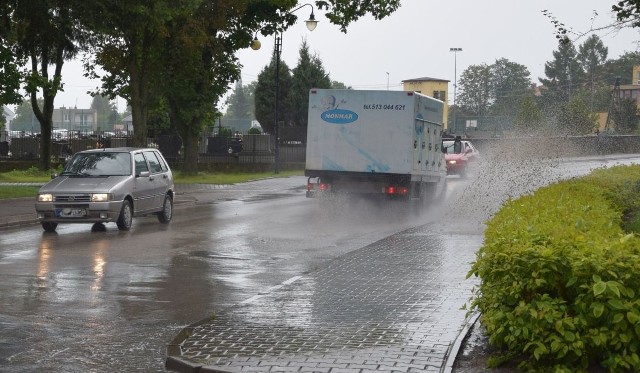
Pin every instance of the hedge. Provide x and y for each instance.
(559, 275)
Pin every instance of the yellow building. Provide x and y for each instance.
(432, 87)
(627, 91)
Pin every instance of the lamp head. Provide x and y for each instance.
(255, 43)
(311, 22)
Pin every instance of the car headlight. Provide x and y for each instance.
(99, 197)
(47, 197)
(452, 162)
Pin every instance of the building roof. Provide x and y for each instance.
(425, 79)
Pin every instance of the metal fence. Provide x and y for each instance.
(245, 149)
(239, 149)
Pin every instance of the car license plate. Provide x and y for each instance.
(71, 213)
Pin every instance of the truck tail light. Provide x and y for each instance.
(322, 187)
(396, 190)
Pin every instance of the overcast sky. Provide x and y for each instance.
(414, 42)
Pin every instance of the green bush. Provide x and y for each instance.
(560, 276)
(225, 132)
(254, 131)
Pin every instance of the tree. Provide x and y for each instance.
(620, 67)
(132, 40)
(476, 89)
(626, 117)
(309, 73)
(46, 33)
(338, 85)
(564, 73)
(10, 76)
(529, 116)
(3, 121)
(575, 117)
(511, 83)
(107, 112)
(127, 43)
(265, 99)
(25, 119)
(592, 56)
(627, 13)
(240, 109)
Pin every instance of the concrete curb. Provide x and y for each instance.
(454, 349)
(175, 362)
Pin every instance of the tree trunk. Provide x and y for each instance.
(190, 166)
(139, 106)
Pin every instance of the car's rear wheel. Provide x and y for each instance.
(126, 216)
(49, 226)
(166, 214)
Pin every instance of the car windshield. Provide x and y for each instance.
(99, 164)
(449, 146)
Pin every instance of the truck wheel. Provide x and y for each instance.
(49, 226)
(126, 216)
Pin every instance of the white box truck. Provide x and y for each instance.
(375, 142)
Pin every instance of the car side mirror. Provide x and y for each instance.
(144, 174)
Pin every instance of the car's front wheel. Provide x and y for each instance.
(49, 226)
(166, 214)
(126, 216)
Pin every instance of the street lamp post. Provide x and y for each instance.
(255, 45)
(455, 82)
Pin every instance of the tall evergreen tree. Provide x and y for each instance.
(592, 55)
(264, 98)
(564, 74)
(309, 73)
(239, 110)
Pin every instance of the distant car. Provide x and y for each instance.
(108, 185)
(458, 157)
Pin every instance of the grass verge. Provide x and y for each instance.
(33, 175)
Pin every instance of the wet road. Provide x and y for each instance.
(83, 301)
(80, 301)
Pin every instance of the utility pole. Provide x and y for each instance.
(455, 82)
(614, 106)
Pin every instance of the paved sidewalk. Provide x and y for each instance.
(393, 306)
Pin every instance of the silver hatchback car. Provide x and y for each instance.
(108, 185)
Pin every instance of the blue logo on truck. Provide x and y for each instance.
(339, 116)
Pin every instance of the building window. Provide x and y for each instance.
(442, 96)
(436, 95)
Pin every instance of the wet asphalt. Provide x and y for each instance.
(396, 305)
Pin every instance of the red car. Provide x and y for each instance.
(459, 154)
